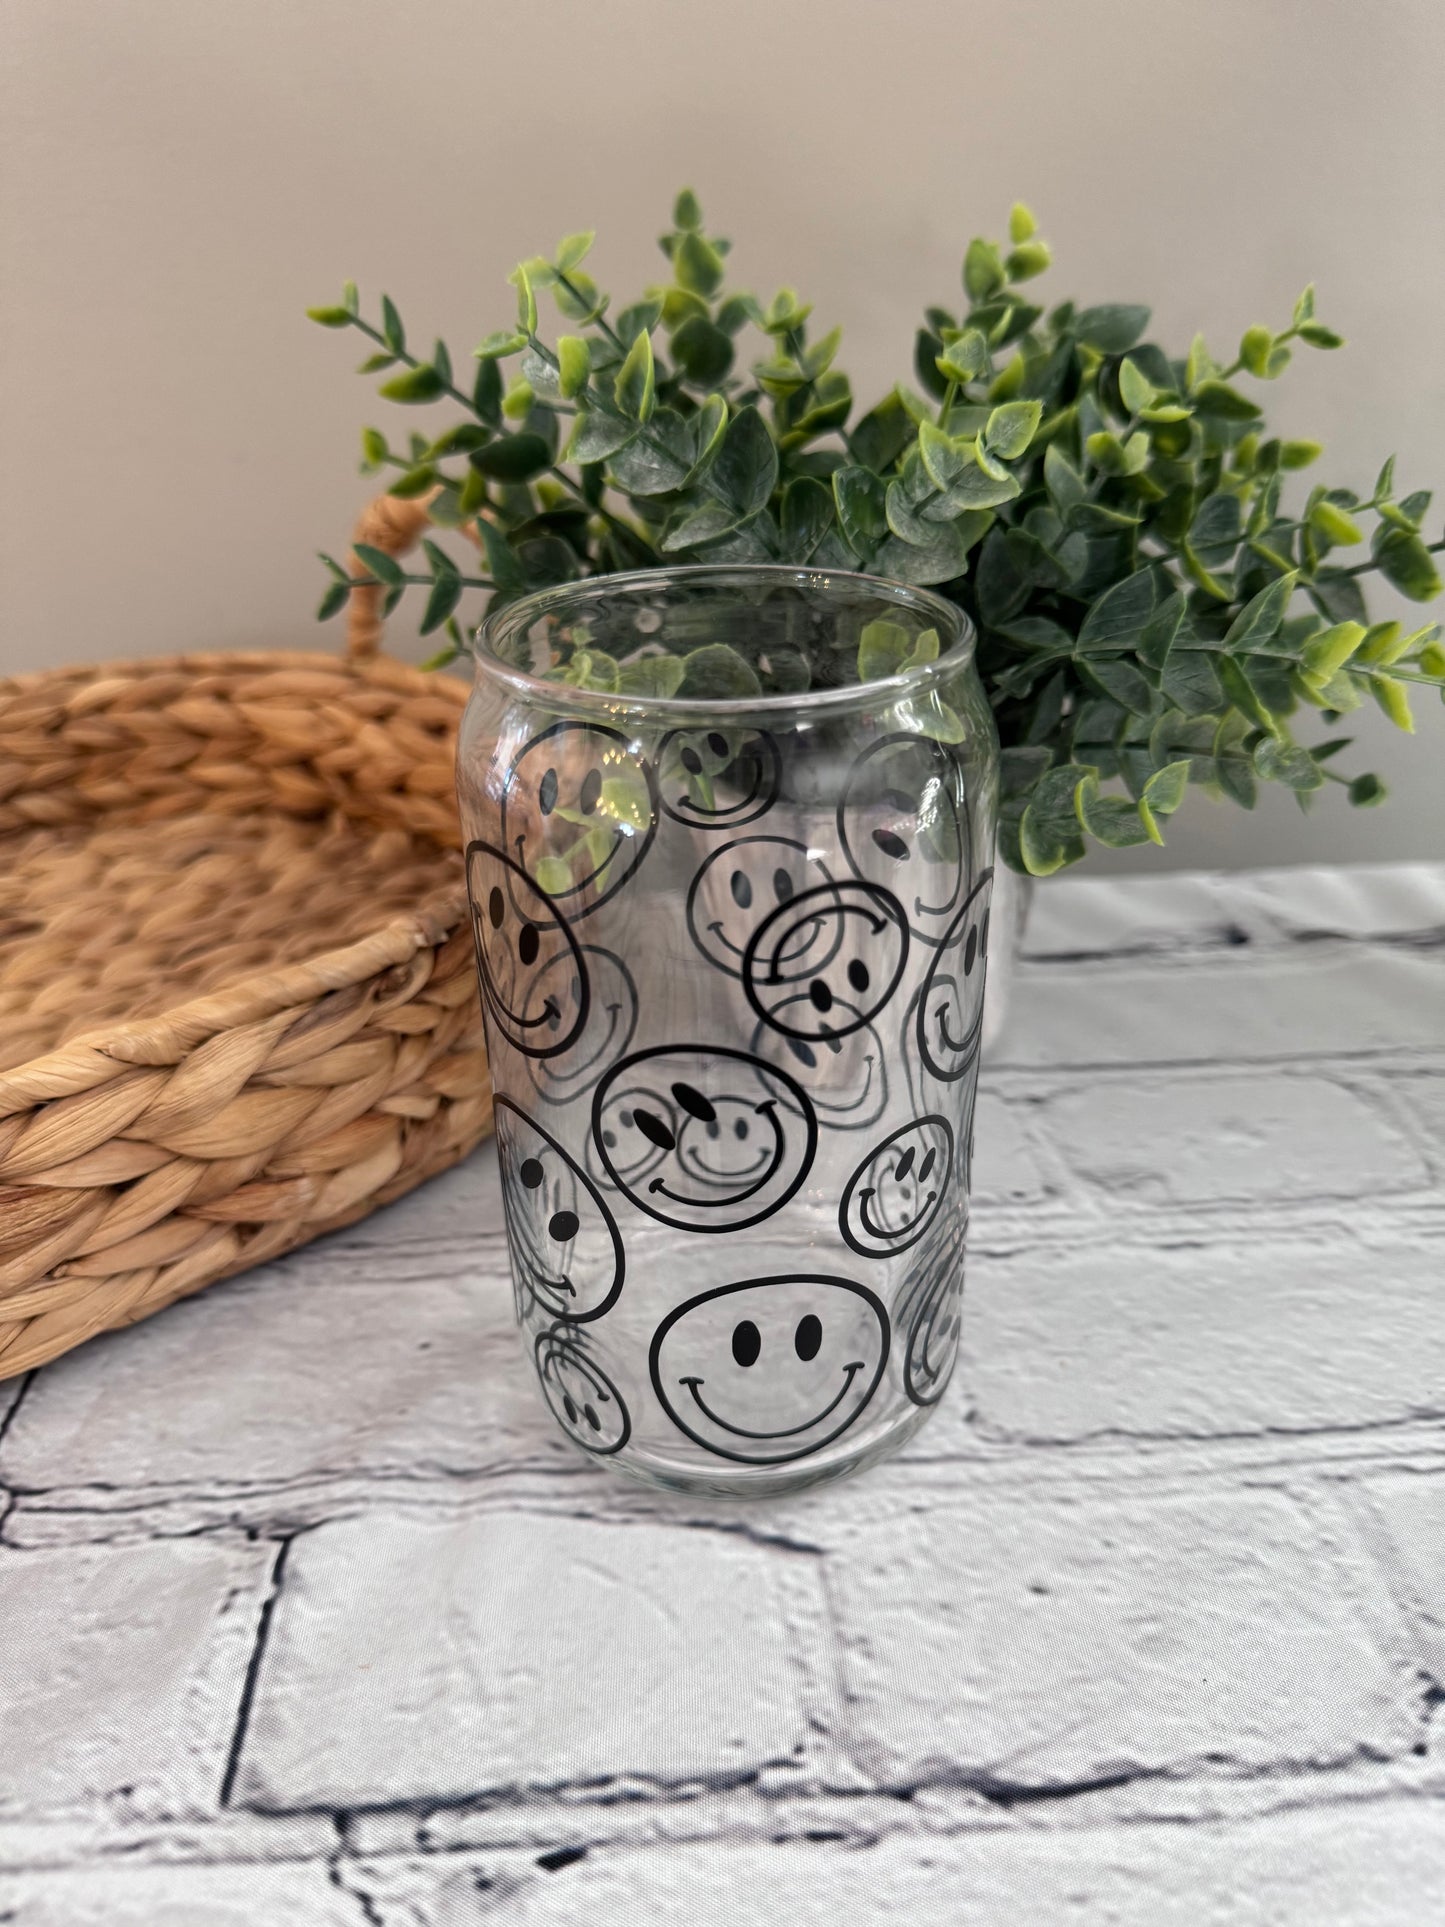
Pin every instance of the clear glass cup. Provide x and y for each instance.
(731, 907)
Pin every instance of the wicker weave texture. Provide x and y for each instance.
(237, 998)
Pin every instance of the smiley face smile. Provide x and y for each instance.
(694, 1385)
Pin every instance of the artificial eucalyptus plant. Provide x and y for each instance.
(1150, 613)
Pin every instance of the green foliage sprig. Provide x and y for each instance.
(1150, 613)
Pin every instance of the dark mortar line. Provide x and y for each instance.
(1077, 1068)
(358, 1894)
(1273, 1434)
(512, 1799)
(253, 1674)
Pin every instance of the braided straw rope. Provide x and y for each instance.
(237, 1000)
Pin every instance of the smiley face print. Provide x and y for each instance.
(947, 1017)
(931, 1314)
(567, 1253)
(903, 823)
(579, 813)
(714, 779)
(899, 1189)
(584, 1400)
(847, 1076)
(557, 991)
(742, 884)
(843, 946)
(769, 1370)
(526, 952)
(701, 1138)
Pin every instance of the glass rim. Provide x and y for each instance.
(957, 644)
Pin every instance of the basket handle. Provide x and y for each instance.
(395, 527)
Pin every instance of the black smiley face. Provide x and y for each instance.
(846, 1075)
(556, 993)
(843, 945)
(947, 1018)
(747, 881)
(899, 1189)
(579, 811)
(903, 823)
(567, 1252)
(584, 1400)
(520, 940)
(934, 1318)
(717, 780)
(702, 1138)
(770, 1370)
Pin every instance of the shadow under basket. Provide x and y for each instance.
(238, 1006)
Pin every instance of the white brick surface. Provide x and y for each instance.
(121, 1670)
(122, 1896)
(1365, 1866)
(414, 1660)
(1006, 1171)
(1053, 1640)
(1234, 1138)
(1411, 1508)
(1284, 1333)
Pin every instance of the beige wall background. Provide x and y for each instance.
(180, 178)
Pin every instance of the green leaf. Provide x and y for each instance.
(883, 649)
(1366, 791)
(746, 468)
(1027, 260)
(1217, 401)
(574, 362)
(1165, 790)
(1118, 617)
(658, 461)
(1121, 681)
(420, 384)
(1287, 763)
(1299, 454)
(502, 342)
(697, 264)
(1065, 484)
(1136, 391)
(391, 328)
(384, 567)
(1191, 682)
(1408, 565)
(1394, 699)
(964, 359)
(1049, 831)
(1021, 224)
(1332, 648)
(709, 425)
(1157, 637)
(513, 458)
(702, 351)
(983, 270)
(573, 250)
(526, 301)
(882, 435)
(705, 524)
(651, 676)
(1011, 428)
(1111, 820)
(636, 383)
(502, 563)
(1241, 692)
(446, 593)
(330, 318)
(717, 672)
(859, 497)
(1319, 337)
(1260, 618)
(596, 436)
(332, 600)
(939, 560)
(1334, 525)
(416, 481)
(1111, 328)
(806, 518)
(686, 213)
(1254, 349)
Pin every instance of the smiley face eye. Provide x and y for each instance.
(717, 744)
(742, 890)
(891, 844)
(690, 760)
(970, 950)
(858, 975)
(562, 1227)
(496, 907)
(929, 1157)
(547, 793)
(694, 1103)
(747, 1342)
(591, 791)
(904, 1164)
(808, 1337)
(983, 934)
(531, 1173)
(654, 1129)
(783, 888)
(528, 943)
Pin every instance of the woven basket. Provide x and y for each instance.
(238, 1005)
